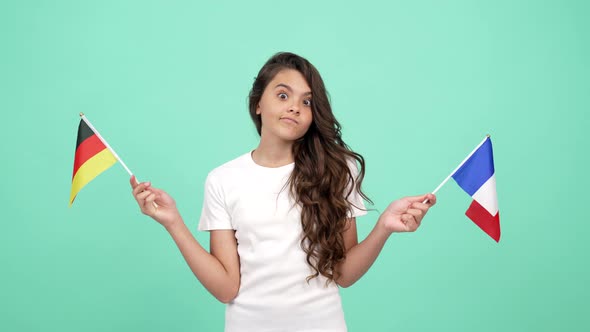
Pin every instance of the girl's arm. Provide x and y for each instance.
(404, 215)
(218, 271)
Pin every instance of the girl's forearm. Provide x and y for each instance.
(206, 267)
(360, 257)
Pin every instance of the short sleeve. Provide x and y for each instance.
(358, 205)
(214, 213)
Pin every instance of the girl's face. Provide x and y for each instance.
(285, 107)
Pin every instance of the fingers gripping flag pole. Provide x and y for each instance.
(93, 156)
(476, 176)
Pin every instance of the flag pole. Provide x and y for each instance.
(105, 143)
(461, 164)
(111, 149)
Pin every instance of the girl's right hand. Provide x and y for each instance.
(155, 203)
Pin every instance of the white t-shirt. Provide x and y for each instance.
(274, 294)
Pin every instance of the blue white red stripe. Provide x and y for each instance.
(477, 178)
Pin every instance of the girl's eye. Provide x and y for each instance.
(282, 95)
(307, 102)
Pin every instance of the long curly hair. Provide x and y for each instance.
(322, 179)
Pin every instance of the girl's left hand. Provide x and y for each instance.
(406, 214)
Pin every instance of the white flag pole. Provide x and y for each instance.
(105, 143)
(461, 164)
(110, 149)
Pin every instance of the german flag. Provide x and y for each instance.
(92, 158)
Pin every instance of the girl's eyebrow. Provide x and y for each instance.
(289, 88)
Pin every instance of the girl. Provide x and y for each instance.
(282, 217)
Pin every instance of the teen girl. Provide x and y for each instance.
(282, 217)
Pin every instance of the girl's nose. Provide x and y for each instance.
(294, 109)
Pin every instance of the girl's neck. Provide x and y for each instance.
(275, 154)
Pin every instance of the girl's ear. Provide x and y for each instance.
(258, 109)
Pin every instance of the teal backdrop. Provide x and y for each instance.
(415, 84)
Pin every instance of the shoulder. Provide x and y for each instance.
(234, 167)
(238, 163)
(353, 166)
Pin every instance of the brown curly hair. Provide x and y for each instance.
(321, 180)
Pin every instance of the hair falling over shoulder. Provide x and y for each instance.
(322, 178)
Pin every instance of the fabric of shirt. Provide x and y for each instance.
(274, 294)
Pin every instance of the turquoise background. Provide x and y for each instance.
(415, 84)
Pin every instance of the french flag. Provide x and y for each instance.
(476, 177)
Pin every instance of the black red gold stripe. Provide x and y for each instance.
(91, 158)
